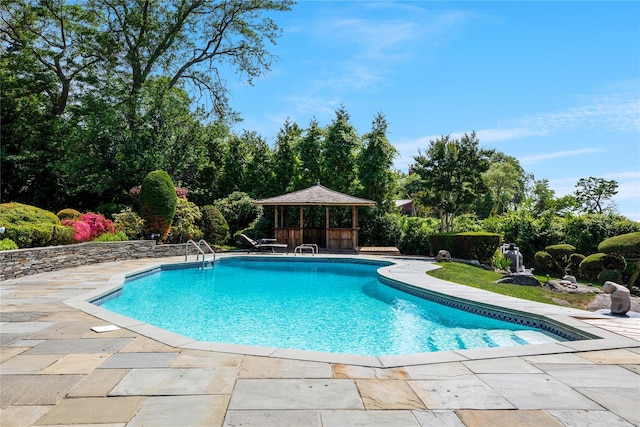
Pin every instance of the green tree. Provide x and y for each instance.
(286, 162)
(236, 165)
(451, 175)
(189, 42)
(594, 194)
(310, 154)
(260, 176)
(56, 42)
(505, 181)
(374, 165)
(339, 154)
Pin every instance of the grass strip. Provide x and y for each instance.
(477, 277)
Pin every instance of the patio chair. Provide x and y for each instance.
(259, 245)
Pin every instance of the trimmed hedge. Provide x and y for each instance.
(29, 226)
(476, 245)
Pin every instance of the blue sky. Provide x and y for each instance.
(554, 84)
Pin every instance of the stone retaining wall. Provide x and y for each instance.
(23, 262)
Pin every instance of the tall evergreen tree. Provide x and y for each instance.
(339, 154)
(286, 165)
(374, 165)
(310, 154)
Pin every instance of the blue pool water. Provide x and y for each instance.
(321, 306)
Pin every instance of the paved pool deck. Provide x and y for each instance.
(56, 371)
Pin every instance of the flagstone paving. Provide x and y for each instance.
(55, 371)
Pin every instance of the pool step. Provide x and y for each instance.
(535, 337)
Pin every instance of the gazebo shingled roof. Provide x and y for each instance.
(317, 195)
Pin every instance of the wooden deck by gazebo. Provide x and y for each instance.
(327, 237)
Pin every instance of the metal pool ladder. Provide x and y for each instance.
(200, 251)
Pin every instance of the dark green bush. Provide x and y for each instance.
(7, 245)
(213, 225)
(259, 229)
(473, 245)
(586, 232)
(239, 211)
(28, 226)
(379, 229)
(158, 201)
(573, 267)
(414, 238)
(559, 252)
(442, 241)
(544, 262)
(592, 265)
(610, 276)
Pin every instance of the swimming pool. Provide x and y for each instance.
(322, 305)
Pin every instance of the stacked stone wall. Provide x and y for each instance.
(23, 262)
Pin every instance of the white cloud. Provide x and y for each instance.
(557, 154)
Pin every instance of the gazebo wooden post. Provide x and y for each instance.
(326, 214)
(354, 226)
(301, 227)
(275, 221)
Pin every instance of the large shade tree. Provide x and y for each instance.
(105, 66)
(594, 194)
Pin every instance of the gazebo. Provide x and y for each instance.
(327, 237)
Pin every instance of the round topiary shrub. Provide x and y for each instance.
(558, 252)
(214, 226)
(158, 201)
(68, 213)
(592, 265)
(628, 246)
(573, 267)
(609, 276)
(543, 261)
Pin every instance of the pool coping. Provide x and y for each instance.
(409, 271)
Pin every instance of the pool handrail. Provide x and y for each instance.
(199, 249)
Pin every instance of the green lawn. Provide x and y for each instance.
(478, 277)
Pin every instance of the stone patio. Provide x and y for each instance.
(55, 371)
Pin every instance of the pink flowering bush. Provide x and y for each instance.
(89, 226)
(81, 230)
